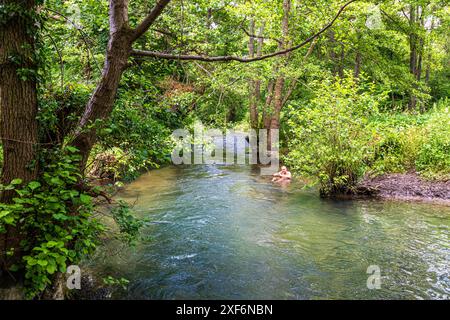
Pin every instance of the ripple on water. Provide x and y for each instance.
(183, 256)
(223, 232)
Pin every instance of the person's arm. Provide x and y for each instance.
(277, 174)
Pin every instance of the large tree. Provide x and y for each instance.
(18, 101)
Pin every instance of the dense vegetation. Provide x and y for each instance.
(340, 135)
(365, 94)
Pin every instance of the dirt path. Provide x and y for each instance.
(407, 186)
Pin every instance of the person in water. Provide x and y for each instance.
(282, 176)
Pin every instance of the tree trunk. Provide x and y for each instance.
(412, 53)
(253, 94)
(209, 19)
(419, 61)
(18, 99)
(277, 103)
(358, 58)
(428, 67)
(18, 103)
(280, 81)
(101, 102)
(266, 116)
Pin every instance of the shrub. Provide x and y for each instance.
(55, 215)
(330, 140)
(44, 210)
(395, 146)
(433, 159)
(136, 139)
(404, 142)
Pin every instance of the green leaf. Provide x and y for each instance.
(4, 213)
(56, 181)
(42, 263)
(85, 199)
(14, 268)
(51, 244)
(60, 216)
(34, 185)
(106, 131)
(51, 268)
(31, 261)
(16, 182)
(71, 149)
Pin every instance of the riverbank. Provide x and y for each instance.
(407, 187)
(398, 186)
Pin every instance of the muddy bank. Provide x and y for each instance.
(408, 186)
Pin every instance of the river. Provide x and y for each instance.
(225, 232)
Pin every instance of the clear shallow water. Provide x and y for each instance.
(218, 232)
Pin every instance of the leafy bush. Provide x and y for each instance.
(406, 142)
(56, 215)
(330, 140)
(60, 110)
(433, 158)
(135, 139)
(395, 147)
(45, 210)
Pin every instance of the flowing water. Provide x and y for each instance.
(225, 232)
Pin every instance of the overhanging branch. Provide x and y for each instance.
(148, 21)
(168, 56)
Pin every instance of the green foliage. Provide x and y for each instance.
(330, 137)
(113, 164)
(129, 226)
(332, 128)
(136, 139)
(336, 145)
(405, 142)
(396, 139)
(395, 151)
(57, 215)
(111, 281)
(60, 110)
(14, 11)
(433, 158)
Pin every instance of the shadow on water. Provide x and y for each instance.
(225, 232)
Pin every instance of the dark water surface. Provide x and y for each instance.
(218, 232)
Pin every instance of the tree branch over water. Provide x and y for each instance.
(169, 56)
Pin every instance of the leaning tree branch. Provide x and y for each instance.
(148, 21)
(168, 56)
(118, 15)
